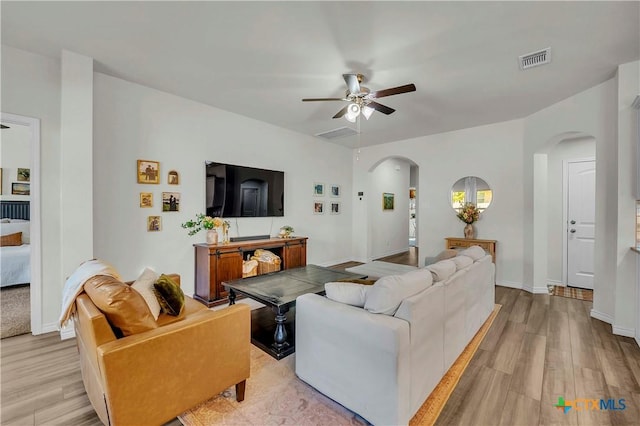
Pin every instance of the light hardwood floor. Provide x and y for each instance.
(539, 348)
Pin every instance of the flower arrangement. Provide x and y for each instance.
(285, 231)
(203, 222)
(469, 213)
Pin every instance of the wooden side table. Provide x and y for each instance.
(487, 245)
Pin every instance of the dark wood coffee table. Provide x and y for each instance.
(278, 291)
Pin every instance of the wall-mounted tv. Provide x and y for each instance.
(238, 191)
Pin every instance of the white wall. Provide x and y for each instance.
(134, 122)
(493, 153)
(625, 309)
(31, 87)
(389, 228)
(15, 152)
(566, 150)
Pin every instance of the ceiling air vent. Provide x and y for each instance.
(337, 133)
(534, 59)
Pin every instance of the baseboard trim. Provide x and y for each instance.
(637, 339)
(554, 282)
(540, 290)
(623, 331)
(330, 263)
(47, 328)
(601, 316)
(391, 253)
(510, 284)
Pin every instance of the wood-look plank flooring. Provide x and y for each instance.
(539, 347)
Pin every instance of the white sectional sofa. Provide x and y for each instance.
(383, 366)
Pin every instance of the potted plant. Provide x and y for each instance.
(285, 231)
(204, 222)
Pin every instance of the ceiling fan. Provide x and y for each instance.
(361, 99)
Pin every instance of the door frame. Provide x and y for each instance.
(35, 287)
(565, 214)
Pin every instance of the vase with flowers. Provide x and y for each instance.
(204, 222)
(469, 214)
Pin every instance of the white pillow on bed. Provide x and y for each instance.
(13, 227)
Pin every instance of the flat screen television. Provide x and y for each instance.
(238, 191)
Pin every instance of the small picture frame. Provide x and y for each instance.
(154, 223)
(335, 208)
(148, 171)
(20, 188)
(335, 191)
(24, 175)
(170, 201)
(318, 189)
(146, 199)
(173, 178)
(318, 207)
(388, 201)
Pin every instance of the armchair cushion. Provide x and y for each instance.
(170, 295)
(144, 286)
(124, 307)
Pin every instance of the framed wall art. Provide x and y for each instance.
(146, 199)
(318, 189)
(148, 171)
(24, 175)
(388, 200)
(318, 207)
(19, 188)
(170, 201)
(173, 178)
(335, 190)
(335, 208)
(154, 223)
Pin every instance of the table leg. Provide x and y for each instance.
(232, 297)
(280, 335)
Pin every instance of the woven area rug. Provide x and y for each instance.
(378, 268)
(275, 395)
(15, 310)
(572, 292)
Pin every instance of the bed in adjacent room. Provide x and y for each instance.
(15, 250)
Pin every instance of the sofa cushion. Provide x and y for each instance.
(474, 252)
(169, 295)
(442, 270)
(11, 240)
(385, 296)
(346, 292)
(144, 286)
(123, 306)
(462, 262)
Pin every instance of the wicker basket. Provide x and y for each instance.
(268, 267)
(267, 261)
(249, 268)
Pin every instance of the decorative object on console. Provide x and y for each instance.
(388, 201)
(285, 231)
(225, 231)
(469, 213)
(201, 222)
(146, 199)
(148, 171)
(173, 178)
(212, 236)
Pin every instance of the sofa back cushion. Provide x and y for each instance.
(474, 252)
(347, 292)
(442, 270)
(462, 262)
(124, 307)
(385, 296)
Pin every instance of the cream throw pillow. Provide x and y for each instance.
(349, 293)
(462, 262)
(144, 286)
(386, 295)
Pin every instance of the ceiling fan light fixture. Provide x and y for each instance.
(367, 111)
(352, 112)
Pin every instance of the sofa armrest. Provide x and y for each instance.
(357, 358)
(151, 376)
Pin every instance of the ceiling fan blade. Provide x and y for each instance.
(322, 99)
(342, 112)
(352, 82)
(393, 91)
(379, 107)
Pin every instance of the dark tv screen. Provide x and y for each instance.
(238, 191)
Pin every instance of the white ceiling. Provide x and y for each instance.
(259, 59)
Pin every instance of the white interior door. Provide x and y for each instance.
(581, 215)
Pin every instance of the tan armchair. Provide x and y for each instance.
(151, 377)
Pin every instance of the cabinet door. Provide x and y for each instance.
(229, 268)
(295, 255)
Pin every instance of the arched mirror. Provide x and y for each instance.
(471, 189)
